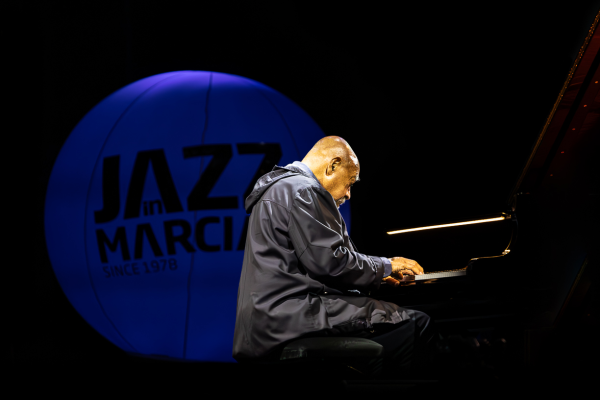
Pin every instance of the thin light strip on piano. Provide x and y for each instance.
(478, 221)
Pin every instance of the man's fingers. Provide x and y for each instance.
(391, 281)
(414, 266)
(399, 274)
(416, 269)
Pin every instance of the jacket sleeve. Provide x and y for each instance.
(322, 250)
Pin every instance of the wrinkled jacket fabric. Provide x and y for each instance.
(301, 274)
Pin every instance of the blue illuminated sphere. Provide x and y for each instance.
(144, 212)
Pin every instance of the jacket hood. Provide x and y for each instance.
(269, 179)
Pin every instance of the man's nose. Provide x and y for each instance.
(348, 194)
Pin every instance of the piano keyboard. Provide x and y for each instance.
(441, 274)
(435, 275)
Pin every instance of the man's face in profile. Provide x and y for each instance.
(341, 180)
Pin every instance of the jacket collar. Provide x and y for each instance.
(304, 170)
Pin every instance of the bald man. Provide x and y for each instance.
(302, 275)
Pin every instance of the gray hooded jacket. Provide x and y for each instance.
(301, 274)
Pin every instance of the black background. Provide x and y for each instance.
(440, 101)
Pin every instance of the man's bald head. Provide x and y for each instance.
(329, 147)
(335, 165)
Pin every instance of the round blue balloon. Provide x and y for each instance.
(145, 221)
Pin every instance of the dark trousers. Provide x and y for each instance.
(406, 346)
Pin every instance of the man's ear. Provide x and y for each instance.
(334, 164)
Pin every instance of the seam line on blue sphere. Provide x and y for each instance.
(283, 119)
(189, 281)
(87, 202)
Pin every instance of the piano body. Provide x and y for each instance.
(544, 290)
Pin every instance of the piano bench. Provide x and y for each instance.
(331, 348)
(330, 360)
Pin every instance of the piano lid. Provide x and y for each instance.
(558, 211)
(575, 115)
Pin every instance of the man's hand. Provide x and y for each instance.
(403, 266)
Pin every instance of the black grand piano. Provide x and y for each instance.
(540, 294)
